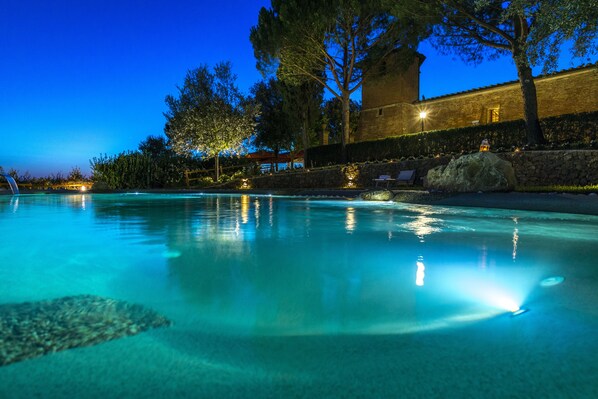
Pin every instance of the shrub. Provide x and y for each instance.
(580, 129)
(138, 170)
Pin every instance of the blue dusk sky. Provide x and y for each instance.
(80, 78)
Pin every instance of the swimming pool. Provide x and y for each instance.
(299, 297)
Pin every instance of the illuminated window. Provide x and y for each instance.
(493, 115)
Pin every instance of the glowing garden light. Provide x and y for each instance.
(245, 184)
(485, 146)
(351, 173)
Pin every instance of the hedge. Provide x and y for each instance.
(559, 131)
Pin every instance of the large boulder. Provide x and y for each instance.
(482, 171)
(377, 195)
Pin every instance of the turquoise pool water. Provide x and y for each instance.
(297, 297)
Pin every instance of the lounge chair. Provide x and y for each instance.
(384, 179)
(406, 177)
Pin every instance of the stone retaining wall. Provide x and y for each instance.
(535, 168)
(544, 168)
(319, 178)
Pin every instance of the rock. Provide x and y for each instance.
(377, 195)
(33, 329)
(482, 171)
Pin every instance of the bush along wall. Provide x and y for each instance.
(565, 131)
(136, 170)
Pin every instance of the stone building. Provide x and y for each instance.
(391, 103)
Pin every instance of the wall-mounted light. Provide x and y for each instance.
(422, 116)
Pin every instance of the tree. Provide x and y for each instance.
(333, 117)
(75, 174)
(289, 114)
(532, 32)
(155, 146)
(275, 129)
(346, 38)
(302, 102)
(210, 115)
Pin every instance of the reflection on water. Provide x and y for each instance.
(423, 223)
(350, 220)
(245, 209)
(515, 238)
(256, 214)
(75, 201)
(301, 272)
(421, 272)
(14, 204)
(272, 265)
(270, 210)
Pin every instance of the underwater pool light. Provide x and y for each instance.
(550, 281)
(506, 303)
(518, 312)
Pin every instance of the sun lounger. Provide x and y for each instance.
(384, 179)
(406, 177)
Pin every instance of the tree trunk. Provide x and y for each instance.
(530, 100)
(304, 130)
(345, 101)
(217, 167)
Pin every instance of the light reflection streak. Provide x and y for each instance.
(271, 211)
(350, 222)
(14, 203)
(307, 218)
(421, 272)
(483, 257)
(257, 212)
(422, 224)
(244, 209)
(397, 328)
(515, 238)
(77, 200)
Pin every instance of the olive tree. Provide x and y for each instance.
(210, 115)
